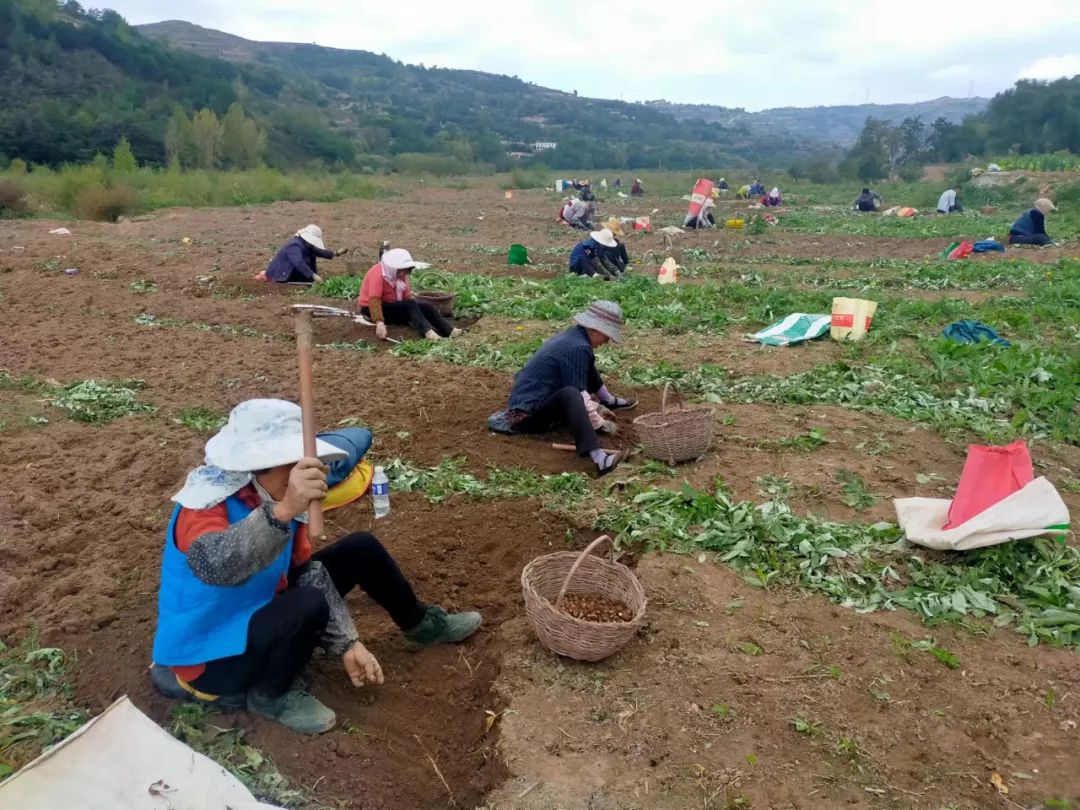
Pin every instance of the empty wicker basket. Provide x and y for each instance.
(679, 434)
(546, 580)
(442, 301)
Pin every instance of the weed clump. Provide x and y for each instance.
(105, 204)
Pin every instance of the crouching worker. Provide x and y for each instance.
(1030, 228)
(386, 297)
(703, 219)
(596, 256)
(576, 214)
(548, 392)
(244, 602)
(295, 262)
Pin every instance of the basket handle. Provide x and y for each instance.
(578, 561)
(663, 400)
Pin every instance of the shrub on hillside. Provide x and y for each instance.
(105, 204)
(12, 199)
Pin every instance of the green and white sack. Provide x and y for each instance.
(795, 328)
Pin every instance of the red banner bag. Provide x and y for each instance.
(990, 474)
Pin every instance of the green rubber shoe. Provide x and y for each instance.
(296, 709)
(440, 627)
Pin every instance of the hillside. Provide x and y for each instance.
(391, 107)
(838, 125)
(72, 82)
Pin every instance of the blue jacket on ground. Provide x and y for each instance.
(296, 261)
(564, 360)
(1030, 223)
(356, 442)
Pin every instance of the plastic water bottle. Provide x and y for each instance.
(380, 493)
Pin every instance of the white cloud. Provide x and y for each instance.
(786, 52)
(1052, 67)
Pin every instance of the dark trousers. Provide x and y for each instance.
(420, 315)
(564, 408)
(282, 635)
(618, 257)
(586, 266)
(296, 277)
(1029, 239)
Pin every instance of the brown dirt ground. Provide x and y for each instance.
(83, 509)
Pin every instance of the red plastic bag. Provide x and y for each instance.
(990, 474)
(961, 251)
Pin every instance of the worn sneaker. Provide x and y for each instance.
(168, 684)
(296, 709)
(440, 627)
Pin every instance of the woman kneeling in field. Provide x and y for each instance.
(296, 261)
(557, 384)
(385, 297)
(244, 601)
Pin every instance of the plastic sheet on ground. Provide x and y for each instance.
(122, 760)
(1035, 510)
(795, 328)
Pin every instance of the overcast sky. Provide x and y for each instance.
(753, 55)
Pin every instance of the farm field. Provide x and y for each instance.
(796, 656)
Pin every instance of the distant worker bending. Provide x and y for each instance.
(948, 202)
(704, 219)
(867, 201)
(1030, 228)
(576, 213)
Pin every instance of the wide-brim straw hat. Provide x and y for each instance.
(605, 317)
(262, 434)
(312, 234)
(605, 237)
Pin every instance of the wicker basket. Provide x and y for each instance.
(442, 301)
(676, 435)
(544, 583)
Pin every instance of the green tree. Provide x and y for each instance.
(123, 159)
(869, 158)
(178, 146)
(242, 142)
(206, 139)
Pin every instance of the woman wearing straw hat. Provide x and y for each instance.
(1030, 228)
(386, 297)
(547, 392)
(591, 257)
(244, 601)
(295, 262)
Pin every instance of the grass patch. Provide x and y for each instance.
(448, 479)
(35, 702)
(201, 420)
(98, 403)
(1030, 585)
(192, 724)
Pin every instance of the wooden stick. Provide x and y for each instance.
(307, 410)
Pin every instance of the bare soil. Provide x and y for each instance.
(83, 510)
